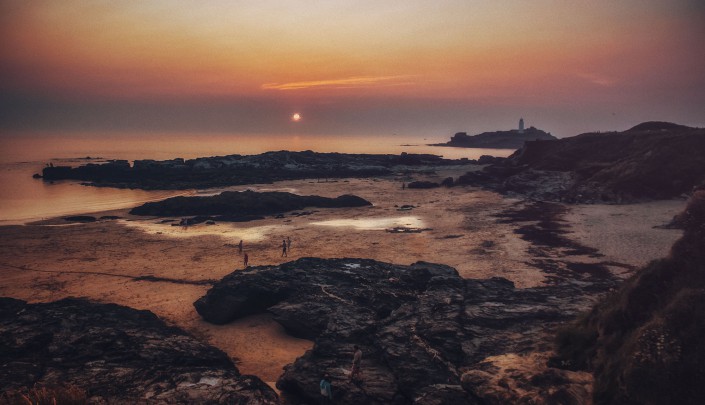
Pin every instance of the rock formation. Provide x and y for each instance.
(421, 327)
(644, 343)
(221, 171)
(115, 354)
(233, 205)
(649, 161)
(513, 139)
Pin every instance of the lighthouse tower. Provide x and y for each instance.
(521, 125)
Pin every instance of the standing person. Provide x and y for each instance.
(288, 243)
(284, 248)
(326, 388)
(355, 374)
(245, 259)
(240, 246)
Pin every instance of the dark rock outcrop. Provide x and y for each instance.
(116, 355)
(423, 184)
(221, 171)
(513, 139)
(644, 343)
(234, 205)
(649, 161)
(421, 327)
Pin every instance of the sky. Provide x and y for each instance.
(349, 67)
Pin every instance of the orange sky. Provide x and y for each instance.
(614, 61)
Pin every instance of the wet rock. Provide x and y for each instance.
(423, 184)
(80, 218)
(116, 355)
(487, 160)
(448, 182)
(419, 326)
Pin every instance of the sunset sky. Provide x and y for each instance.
(349, 67)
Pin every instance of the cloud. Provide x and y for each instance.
(597, 79)
(346, 83)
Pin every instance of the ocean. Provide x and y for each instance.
(24, 199)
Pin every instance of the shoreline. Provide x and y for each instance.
(459, 230)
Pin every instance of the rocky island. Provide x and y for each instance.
(512, 139)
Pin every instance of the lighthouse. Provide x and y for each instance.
(521, 125)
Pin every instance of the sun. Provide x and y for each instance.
(296, 117)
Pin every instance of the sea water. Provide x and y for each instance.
(24, 199)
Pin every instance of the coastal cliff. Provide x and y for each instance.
(653, 160)
(644, 342)
(513, 139)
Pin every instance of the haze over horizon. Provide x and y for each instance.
(349, 67)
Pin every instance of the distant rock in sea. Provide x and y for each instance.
(653, 160)
(111, 354)
(513, 139)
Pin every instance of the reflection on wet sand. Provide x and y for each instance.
(374, 224)
(224, 229)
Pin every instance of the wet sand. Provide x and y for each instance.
(103, 260)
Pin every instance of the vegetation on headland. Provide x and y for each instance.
(644, 343)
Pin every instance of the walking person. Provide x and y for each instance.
(326, 389)
(355, 373)
(245, 258)
(240, 246)
(284, 248)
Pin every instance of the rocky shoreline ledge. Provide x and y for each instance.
(231, 170)
(113, 354)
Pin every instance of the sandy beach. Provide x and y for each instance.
(108, 260)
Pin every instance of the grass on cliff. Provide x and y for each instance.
(40, 395)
